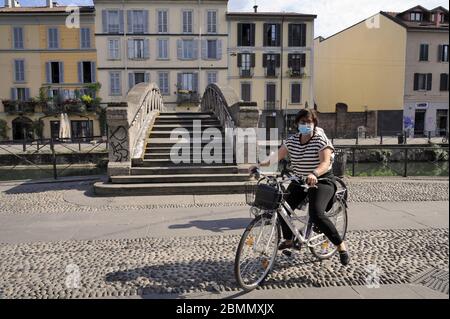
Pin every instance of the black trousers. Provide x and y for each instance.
(318, 200)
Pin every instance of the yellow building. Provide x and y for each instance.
(270, 62)
(393, 63)
(48, 62)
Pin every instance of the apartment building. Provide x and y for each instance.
(45, 62)
(270, 62)
(180, 45)
(393, 63)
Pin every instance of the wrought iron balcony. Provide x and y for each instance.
(272, 72)
(19, 107)
(246, 73)
(271, 105)
(297, 73)
(187, 97)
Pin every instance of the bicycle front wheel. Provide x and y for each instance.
(257, 251)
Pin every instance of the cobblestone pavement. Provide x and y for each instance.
(131, 267)
(35, 198)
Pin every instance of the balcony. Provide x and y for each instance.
(187, 97)
(19, 107)
(68, 106)
(297, 73)
(271, 105)
(272, 72)
(246, 73)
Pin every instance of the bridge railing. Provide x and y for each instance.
(128, 126)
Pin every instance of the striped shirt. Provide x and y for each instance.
(305, 157)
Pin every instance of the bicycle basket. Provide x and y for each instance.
(266, 197)
(250, 191)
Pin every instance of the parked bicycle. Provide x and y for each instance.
(258, 247)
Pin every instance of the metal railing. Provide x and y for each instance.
(246, 73)
(188, 97)
(271, 105)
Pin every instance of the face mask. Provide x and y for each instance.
(305, 129)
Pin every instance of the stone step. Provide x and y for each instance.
(183, 170)
(186, 121)
(182, 178)
(166, 142)
(167, 149)
(179, 133)
(188, 127)
(166, 155)
(169, 163)
(193, 116)
(186, 113)
(109, 189)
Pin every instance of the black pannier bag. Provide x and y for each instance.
(267, 197)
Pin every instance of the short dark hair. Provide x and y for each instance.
(307, 113)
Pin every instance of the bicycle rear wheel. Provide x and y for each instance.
(256, 252)
(323, 248)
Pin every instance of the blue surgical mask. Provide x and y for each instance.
(305, 129)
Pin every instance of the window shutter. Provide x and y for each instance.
(13, 94)
(252, 56)
(195, 49)
(121, 23)
(93, 72)
(195, 82)
(278, 35)
(105, 21)
(130, 49)
(239, 60)
(429, 81)
(252, 34)
(147, 77)
(303, 35)
(145, 21)
(239, 34)
(264, 62)
(204, 49)
(146, 48)
(219, 49)
(179, 79)
(48, 72)
(440, 55)
(265, 34)
(179, 49)
(23, 71)
(61, 72)
(289, 60)
(442, 85)
(290, 36)
(27, 94)
(303, 60)
(416, 81)
(277, 60)
(80, 72)
(130, 21)
(130, 80)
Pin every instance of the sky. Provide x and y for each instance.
(332, 15)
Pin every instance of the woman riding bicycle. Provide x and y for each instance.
(311, 155)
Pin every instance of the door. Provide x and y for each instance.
(442, 120)
(22, 128)
(270, 123)
(54, 129)
(270, 96)
(419, 123)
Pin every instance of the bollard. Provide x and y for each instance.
(429, 137)
(405, 168)
(381, 139)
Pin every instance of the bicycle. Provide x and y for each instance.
(268, 205)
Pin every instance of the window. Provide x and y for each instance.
(20, 94)
(212, 49)
(444, 82)
(163, 48)
(423, 55)
(443, 53)
(271, 35)
(53, 42)
(211, 22)
(115, 83)
(297, 35)
(296, 61)
(138, 77)
(188, 81)
(114, 49)
(246, 61)
(86, 72)
(54, 72)
(187, 21)
(163, 80)
(162, 21)
(19, 70)
(422, 82)
(271, 62)
(81, 129)
(54, 129)
(211, 77)
(270, 96)
(246, 34)
(187, 49)
(137, 21)
(85, 36)
(246, 92)
(18, 38)
(416, 16)
(296, 93)
(112, 21)
(138, 49)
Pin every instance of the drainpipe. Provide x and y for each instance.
(125, 46)
(199, 49)
(281, 67)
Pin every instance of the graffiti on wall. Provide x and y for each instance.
(118, 143)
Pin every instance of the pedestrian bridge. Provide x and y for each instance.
(142, 148)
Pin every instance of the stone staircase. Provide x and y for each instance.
(157, 174)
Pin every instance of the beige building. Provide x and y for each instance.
(270, 62)
(180, 45)
(42, 56)
(392, 63)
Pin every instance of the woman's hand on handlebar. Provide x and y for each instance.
(253, 169)
(311, 180)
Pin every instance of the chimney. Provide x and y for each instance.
(255, 7)
(49, 3)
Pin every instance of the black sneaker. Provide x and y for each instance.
(344, 257)
(286, 245)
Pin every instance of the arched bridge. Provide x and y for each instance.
(155, 152)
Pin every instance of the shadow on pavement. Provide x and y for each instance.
(33, 187)
(217, 226)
